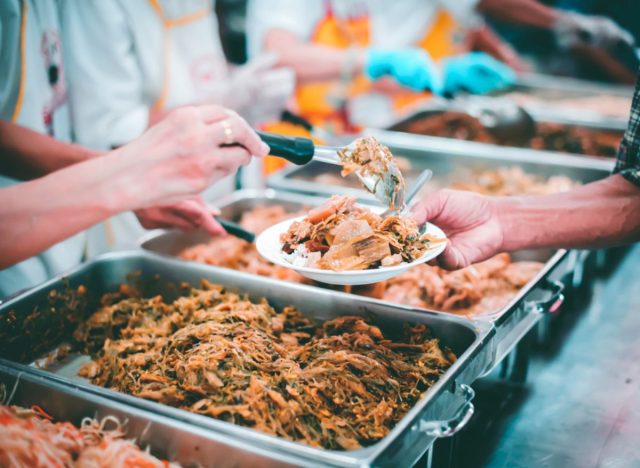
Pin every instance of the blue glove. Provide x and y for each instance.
(477, 73)
(410, 67)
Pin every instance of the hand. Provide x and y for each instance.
(181, 156)
(572, 29)
(470, 221)
(187, 215)
(477, 73)
(410, 67)
(258, 90)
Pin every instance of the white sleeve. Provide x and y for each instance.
(106, 84)
(297, 16)
(465, 12)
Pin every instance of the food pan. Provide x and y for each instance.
(561, 93)
(166, 438)
(443, 410)
(512, 321)
(450, 160)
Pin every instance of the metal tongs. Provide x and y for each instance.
(301, 151)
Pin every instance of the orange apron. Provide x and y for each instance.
(315, 101)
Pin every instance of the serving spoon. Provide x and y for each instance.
(385, 187)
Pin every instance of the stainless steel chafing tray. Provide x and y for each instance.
(166, 437)
(557, 96)
(512, 321)
(450, 160)
(443, 410)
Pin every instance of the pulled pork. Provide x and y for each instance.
(341, 236)
(238, 254)
(481, 288)
(341, 384)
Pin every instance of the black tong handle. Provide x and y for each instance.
(236, 230)
(297, 150)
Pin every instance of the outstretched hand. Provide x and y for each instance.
(186, 215)
(471, 222)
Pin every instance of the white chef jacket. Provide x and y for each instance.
(394, 24)
(33, 94)
(124, 57)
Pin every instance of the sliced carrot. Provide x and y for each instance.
(321, 213)
(40, 412)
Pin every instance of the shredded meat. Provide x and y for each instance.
(514, 181)
(30, 438)
(238, 254)
(371, 158)
(354, 238)
(341, 384)
(478, 289)
(549, 136)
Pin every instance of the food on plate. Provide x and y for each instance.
(341, 236)
(514, 181)
(481, 288)
(549, 136)
(340, 384)
(238, 254)
(30, 437)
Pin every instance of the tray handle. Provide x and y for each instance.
(552, 303)
(449, 427)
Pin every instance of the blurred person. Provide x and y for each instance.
(33, 94)
(35, 132)
(600, 214)
(130, 62)
(574, 37)
(172, 162)
(382, 52)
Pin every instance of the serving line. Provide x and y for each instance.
(442, 411)
(512, 321)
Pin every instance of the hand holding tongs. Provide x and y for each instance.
(301, 151)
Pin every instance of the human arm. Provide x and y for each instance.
(525, 12)
(600, 214)
(26, 154)
(569, 27)
(176, 159)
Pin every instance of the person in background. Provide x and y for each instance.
(573, 36)
(129, 63)
(382, 52)
(173, 161)
(599, 214)
(33, 94)
(329, 42)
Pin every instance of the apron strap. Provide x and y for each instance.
(167, 24)
(23, 63)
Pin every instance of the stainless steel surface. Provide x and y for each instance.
(403, 445)
(450, 161)
(554, 90)
(167, 438)
(582, 407)
(512, 321)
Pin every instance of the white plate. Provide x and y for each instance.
(269, 246)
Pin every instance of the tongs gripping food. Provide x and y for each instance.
(386, 185)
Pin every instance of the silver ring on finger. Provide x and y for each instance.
(228, 132)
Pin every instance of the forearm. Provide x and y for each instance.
(600, 214)
(42, 212)
(524, 12)
(312, 62)
(26, 154)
